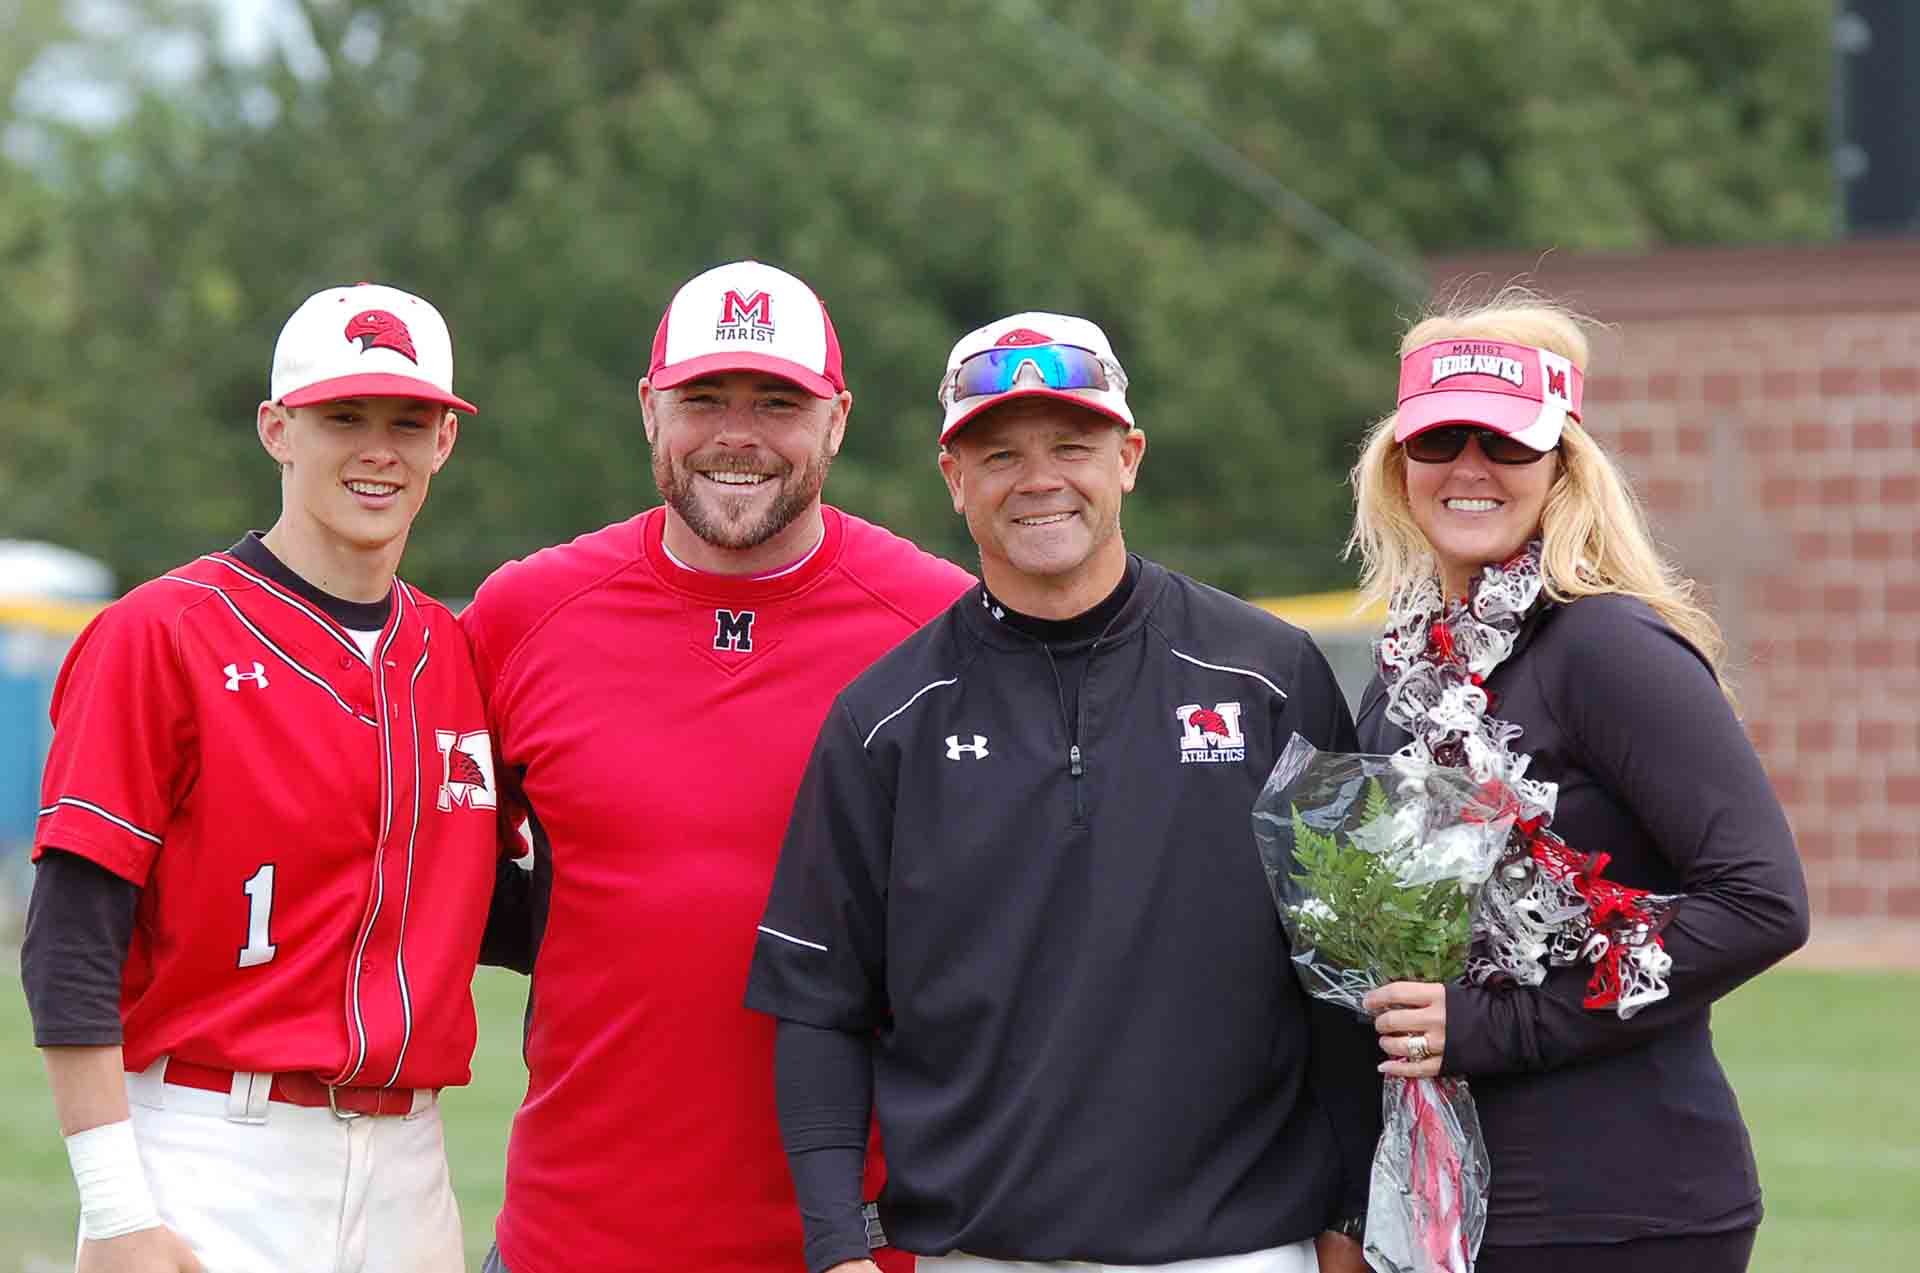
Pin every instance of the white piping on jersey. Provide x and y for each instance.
(952, 680)
(281, 594)
(279, 653)
(798, 941)
(1238, 671)
(406, 900)
(774, 574)
(382, 706)
(90, 807)
(378, 899)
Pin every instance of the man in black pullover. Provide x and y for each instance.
(1019, 915)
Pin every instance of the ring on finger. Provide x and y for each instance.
(1417, 1047)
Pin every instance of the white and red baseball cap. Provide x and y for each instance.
(746, 316)
(364, 341)
(1522, 391)
(1097, 383)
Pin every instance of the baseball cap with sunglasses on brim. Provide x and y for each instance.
(1032, 355)
(1515, 399)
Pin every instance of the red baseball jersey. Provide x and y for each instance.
(655, 722)
(313, 833)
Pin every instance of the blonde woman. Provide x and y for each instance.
(1535, 632)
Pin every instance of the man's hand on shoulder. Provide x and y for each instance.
(156, 1250)
(1339, 1253)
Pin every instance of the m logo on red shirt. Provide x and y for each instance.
(733, 631)
(466, 770)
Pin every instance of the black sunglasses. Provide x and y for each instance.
(1444, 445)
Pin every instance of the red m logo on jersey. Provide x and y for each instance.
(755, 310)
(466, 775)
(1557, 382)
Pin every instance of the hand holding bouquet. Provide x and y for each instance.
(1375, 862)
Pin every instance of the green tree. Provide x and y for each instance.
(548, 174)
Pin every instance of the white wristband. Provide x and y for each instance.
(114, 1198)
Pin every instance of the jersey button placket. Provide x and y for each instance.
(352, 688)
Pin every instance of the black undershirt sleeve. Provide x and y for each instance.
(823, 1088)
(507, 941)
(79, 926)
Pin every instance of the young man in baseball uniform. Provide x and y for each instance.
(654, 687)
(266, 851)
(1019, 913)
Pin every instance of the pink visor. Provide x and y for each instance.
(1519, 390)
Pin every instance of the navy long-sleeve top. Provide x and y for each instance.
(1603, 1130)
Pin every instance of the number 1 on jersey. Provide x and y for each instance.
(259, 891)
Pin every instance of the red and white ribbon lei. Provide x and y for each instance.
(1546, 904)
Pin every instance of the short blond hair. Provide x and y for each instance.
(1594, 533)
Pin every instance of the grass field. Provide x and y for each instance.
(1823, 1064)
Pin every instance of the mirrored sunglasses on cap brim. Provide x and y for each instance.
(997, 370)
(1444, 445)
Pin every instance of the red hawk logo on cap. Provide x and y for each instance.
(1024, 336)
(378, 329)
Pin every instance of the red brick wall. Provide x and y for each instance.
(1766, 403)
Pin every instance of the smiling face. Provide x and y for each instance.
(740, 459)
(353, 475)
(1040, 483)
(1474, 512)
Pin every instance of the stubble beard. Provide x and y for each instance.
(1048, 566)
(798, 492)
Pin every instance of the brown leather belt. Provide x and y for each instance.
(299, 1089)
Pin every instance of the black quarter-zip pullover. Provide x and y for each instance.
(1089, 1042)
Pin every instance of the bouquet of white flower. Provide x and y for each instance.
(1375, 862)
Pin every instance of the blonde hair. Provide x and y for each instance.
(1593, 531)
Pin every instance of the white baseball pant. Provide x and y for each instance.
(255, 1185)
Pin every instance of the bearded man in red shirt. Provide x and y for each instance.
(654, 688)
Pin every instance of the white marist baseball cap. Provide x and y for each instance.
(364, 341)
(747, 316)
(1038, 375)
